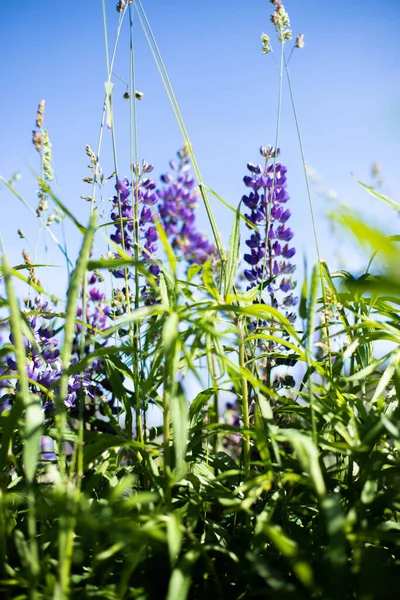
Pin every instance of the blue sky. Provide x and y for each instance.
(346, 84)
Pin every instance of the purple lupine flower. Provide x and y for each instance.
(143, 189)
(43, 367)
(177, 204)
(270, 244)
(47, 450)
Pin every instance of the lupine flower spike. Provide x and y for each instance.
(178, 201)
(143, 188)
(270, 250)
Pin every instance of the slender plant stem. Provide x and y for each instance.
(170, 93)
(167, 435)
(134, 152)
(311, 208)
(245, 400)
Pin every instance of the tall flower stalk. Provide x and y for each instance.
(269, 248)
(178, 200)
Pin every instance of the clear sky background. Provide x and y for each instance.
(346, 84)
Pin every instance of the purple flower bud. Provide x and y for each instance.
(287, 268)
(12, 364)
(154, 270)
(123, 188)
(250, 182)
(47, 448)
(146, 216)
(50, 355)
(45, 333)
(149, 198)
(290, 300)
(286, 285)
(276, 212)
(288, 252)
(276, 247)
(96, 295)
(284, 234)
(285, 216)
(250, 275)
(262, 181)
(282, 195)
(254, 257)
(151, 234)
(255, 240)
(254, 168)
(146, 167)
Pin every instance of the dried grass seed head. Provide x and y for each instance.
(91, 154)
(266, 43)
(300, 41)
(37, 140)
(280, 20)
(40, 115)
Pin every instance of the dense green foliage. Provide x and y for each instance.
(300, 500)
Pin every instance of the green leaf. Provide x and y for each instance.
(225, 203)
(372, 191)
(335, 526)
(137, 316)
(290, 550)
(312, 305)
(8, 425)
(170, 331)
(98, 442)
(179, 418)
(233, 254)
(307, 453)
(303, 301)
(179, 583)
(386, 377)
(174, 536)
(71, 310)
(33, 428)
(192, 271)
(109, 88)
(198, 404)
(167, 246)
(208, 280)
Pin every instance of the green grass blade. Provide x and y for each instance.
(233, 254)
